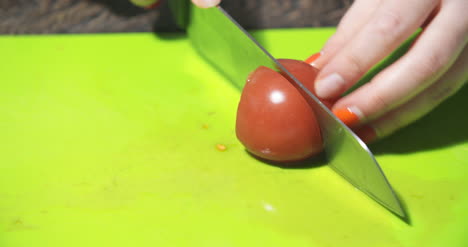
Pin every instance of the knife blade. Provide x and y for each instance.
(221, 41)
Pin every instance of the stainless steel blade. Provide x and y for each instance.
(233, 51)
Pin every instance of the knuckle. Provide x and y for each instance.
(355, 64)
(378, 101)
(430, 65)
(388, 23)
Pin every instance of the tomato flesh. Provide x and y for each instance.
(274, 121)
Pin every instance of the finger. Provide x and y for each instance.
(415, 71)
(452, 81)
(147, 4)
(357, 15)
(391, 24)
(206, 3)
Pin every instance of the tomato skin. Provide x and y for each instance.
(274, 121)
(306, 74)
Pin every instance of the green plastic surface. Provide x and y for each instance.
(110, 140)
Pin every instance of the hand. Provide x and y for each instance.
(149, 4)
(435, 67)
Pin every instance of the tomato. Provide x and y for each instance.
(305, 73)
(274, 121)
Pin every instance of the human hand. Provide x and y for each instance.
(435, 67)
(149, 4)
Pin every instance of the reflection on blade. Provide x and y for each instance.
(230, 49)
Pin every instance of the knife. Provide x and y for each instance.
(221, 41)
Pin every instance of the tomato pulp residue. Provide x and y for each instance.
(221, 147)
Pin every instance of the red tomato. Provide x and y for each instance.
(274, 121)
(305, 73)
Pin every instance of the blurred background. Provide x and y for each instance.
(104, 16)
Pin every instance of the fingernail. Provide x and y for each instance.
(366, 133)
(329, 86)
(351, 116)
(207, 3)
(310, 60)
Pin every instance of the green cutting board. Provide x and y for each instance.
(110, 140)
